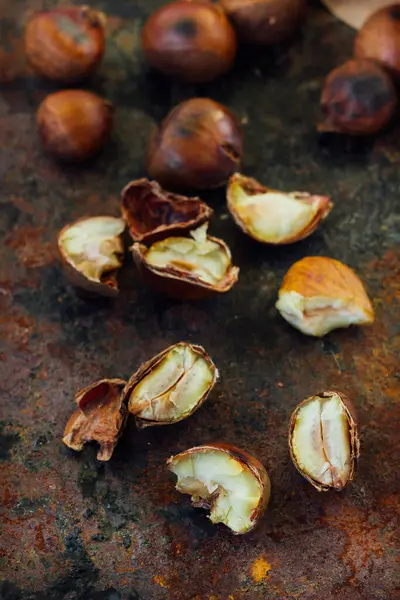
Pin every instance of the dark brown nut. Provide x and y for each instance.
(66, 43)
(100, 417)
(197, 146)
(92, 252)
(187, 268)
(153, 214)
(265, 22)
(358, 98)
(74, 125)
(192, 41)
(229, 482)
(324, 442)
(274, 217)
(171, 386)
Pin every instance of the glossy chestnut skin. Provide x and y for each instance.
(197, 146)
(265, 22)
(379, 39)
(190, 40)
(65, 44)
(358, 98)
(73, 125)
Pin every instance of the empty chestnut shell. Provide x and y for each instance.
(65, 44)
(198, 145)
(171, 386)
(153, 214)
(265, 22)
(358, 98)
(187, 268)
(192, 41)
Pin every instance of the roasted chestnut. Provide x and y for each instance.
(92, 251)
(324, 442)
(229, 482)
(274, 217)
(100, 417)
(171, 386)
(265, 21)
(198, 145)
(358, 98)
(66, 43)
(187, 268)
(73, 125)
(190, 40)
(379, 38)
(152, 213)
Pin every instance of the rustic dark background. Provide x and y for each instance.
(75, 529)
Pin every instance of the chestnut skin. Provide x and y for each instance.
(65, 44)
(190, 40)
(358, 98)
(199, 145)
(265, 22)
(73, 125)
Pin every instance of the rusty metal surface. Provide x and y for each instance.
(73, 528)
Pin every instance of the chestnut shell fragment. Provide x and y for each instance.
(152, 213)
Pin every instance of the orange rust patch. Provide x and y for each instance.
(30, 248)
(260, 569)
(160, 581)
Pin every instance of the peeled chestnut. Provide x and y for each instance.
(65, 44)
(379, 38)
(73, 125)
(198, 145)
(190, 40)
(265, 21)
(358, 98)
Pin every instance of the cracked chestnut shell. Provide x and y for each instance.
(190, 40)
(153, 214)
(231, 483)
(197, 146)
(187, 268)
(171, 386)
(100, 417)
(324, 441)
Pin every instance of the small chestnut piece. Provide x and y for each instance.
(187, 268)
(153, 214)
(190, 40)
(229, 482)
(66, 43)
(324, 442)
(171, 386)
(100, 417)
(92, 251)
(73, 125)
(265, 22)
(379, 38)
(274, 217)
(198, 145)
(358, 98)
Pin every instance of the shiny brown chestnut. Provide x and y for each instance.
(231, 483)
(358, 98)
(197, 146)
(73, 125)
(65, 44)
(153, 214)
(187, 268)
(190, 40)
(265, 22)
(379, 38)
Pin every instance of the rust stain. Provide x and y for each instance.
(30, 247)
(260, 569)
(160, 581)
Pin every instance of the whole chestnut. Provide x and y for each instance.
(379, 38)
(65, 44)
(190, 40)
(265, 21)
(358, 98)
(73, 125)
(198, 145)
